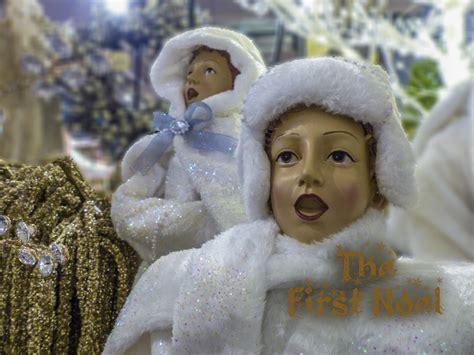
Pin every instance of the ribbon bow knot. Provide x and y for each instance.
(197, 116)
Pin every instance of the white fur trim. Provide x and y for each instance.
(457, 102)
(168, 73)
(213, 299)
(342, 87)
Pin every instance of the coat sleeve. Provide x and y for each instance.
(146, 319)
(155, 226)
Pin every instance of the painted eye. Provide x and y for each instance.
(340, 157)
(286, 158)
(210, 70)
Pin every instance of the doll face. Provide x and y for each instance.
(321, 174)
(208, 74)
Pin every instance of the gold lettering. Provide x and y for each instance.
(438, 301)
(294, 298)
(370, 263)
(355, 300)
(423, 304)
(346, 255)
(339, 307)
(321, 300)
(309, 300)
(387, 268)
(386, 303)
(404, 305)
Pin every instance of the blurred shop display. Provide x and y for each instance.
(101, 84)
(395, 34)
(98, 76)
(29, 126)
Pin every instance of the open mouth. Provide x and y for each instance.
(310, 207)
(191, 94)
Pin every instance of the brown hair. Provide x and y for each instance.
(233, 70)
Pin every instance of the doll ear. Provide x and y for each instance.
(379, 202)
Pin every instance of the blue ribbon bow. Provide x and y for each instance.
(197, 115)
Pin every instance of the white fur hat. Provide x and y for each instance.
(168, 72)
(340, 86)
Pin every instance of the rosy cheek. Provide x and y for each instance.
(276, 195)
(205, 83)
(279, 193)
(353, 195)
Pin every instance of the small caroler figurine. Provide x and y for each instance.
(181, 184)
(319, 158)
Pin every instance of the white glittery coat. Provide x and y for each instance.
(190, 195)
(231, 297)
(441, 225)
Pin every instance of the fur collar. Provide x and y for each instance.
(294, 262)
(221, 306)
(214, 297)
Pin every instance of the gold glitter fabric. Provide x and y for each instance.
(74, 309)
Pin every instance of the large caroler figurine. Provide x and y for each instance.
(319, 158)
(181, 184)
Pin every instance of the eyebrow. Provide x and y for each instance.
(344, 132)
(286, 134)
(211, 61)
(207, 62)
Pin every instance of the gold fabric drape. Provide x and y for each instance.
(74, 309)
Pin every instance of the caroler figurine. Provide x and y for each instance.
(319, 158)
(181, 184)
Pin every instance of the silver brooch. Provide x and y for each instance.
(46, 259)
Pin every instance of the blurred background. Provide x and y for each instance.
(74, 74)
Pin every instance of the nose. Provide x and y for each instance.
(311, 174)
(192, 77)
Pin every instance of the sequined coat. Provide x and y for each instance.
(231, 296)
(189, 196)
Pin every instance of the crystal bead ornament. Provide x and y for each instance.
(46, 265)
(24, 231)
(45, 90)
(179, 127)
(5, 224)
(32, 65)
(73, 78)
(45, 258)
(59, 253)
(59, 47)
(97, 63)
(26, 256)
(2, 121)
